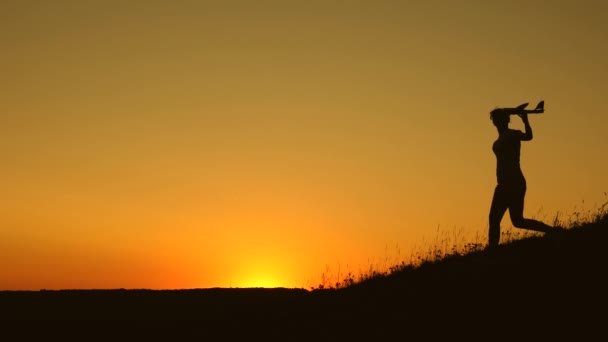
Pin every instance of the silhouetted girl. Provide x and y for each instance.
(511, 188)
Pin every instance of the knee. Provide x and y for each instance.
(494, 220)
(519, 222)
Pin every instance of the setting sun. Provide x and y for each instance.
(260, 279)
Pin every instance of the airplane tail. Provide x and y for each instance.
(540, 107)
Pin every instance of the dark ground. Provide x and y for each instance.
(538, 288)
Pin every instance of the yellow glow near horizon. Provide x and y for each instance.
(264, 275)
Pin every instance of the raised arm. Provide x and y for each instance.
(527, 136)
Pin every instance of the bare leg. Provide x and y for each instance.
(516, 211)
(497, 211)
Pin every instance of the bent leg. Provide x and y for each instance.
(497, 211)
(516, 211)
(532, 224)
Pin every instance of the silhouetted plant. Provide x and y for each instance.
(455, 244)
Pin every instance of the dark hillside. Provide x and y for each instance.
(551, 286)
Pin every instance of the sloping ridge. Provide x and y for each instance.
(567, 260)
(554, 284)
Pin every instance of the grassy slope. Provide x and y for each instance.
(547, 286)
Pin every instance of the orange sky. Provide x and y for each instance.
(183, 144)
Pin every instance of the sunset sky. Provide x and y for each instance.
(194, 144)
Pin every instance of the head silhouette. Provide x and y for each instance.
(500, 118)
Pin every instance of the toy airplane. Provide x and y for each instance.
(521, 109)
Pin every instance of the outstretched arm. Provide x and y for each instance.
(528, 129)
